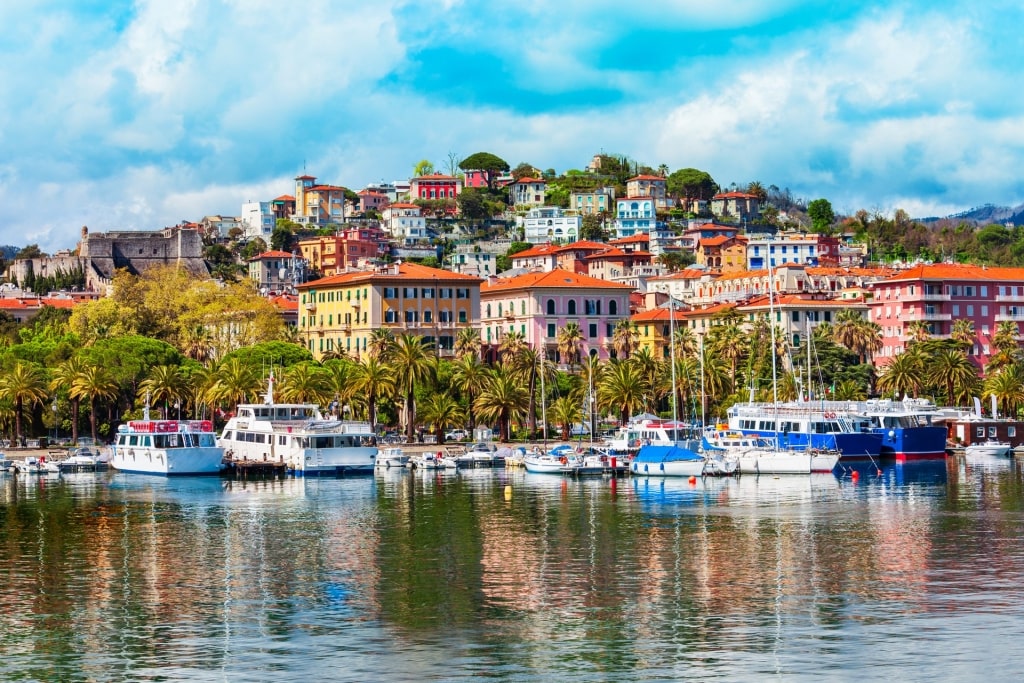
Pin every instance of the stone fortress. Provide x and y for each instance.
(101, 254)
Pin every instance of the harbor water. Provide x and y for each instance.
(914, 573)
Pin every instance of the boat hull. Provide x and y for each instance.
(772, 462)
(186, 461)
(988, 450)
(913, 443)
(543, 465)
(668, 461)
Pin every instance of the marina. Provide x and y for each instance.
(525, 577)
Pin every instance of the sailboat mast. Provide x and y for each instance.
(810, 384)
(543, 403)
(672, 361)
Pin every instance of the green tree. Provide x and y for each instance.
(569, 340)
(593, 229)
(492, 166)
(903, 375)
(441, 411)
(503, 399)
(95, 383)
(691, 183)
(410, 360)
(23, 383)
(821, 214)
(621, 388)
(373, 379)
(282, 239)
(304, 383)
(472, 204)
(566, 411)
(470, 376)
(164, 384)
(625, 338)
(63, 377)
(422, 168)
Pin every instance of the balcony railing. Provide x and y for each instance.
(922, 315)
(1013, 317)
(1010, 298)
(934, 297)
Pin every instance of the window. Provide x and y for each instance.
(796, 316)
(427, 292)
(970, 310)
(488, 310)
(461, 293)
(551, 307)
(551, 330)
(590, 307)
(984, 310)
(613, 307)
(390, 316)
(572, 306)
(428, 316)
(390, 292)
(411, 316)
(593, 330)
(462, 316)
(409, 292)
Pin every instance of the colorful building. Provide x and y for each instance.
(405, 222)
(276, 271)
(347, 248)
(654, 328)
(935, 296)
(527, 192)
(435, 186)
(634, 215)
(318, 204)
(652, 186)
(538, 305)
(338, 314)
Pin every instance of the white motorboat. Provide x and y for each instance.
(300, 436)
(677, 460)
(170, 447)
(479, 455)
(83, 460)
(6, 464)
(33, 465)
(988, 448)
(391, 457)
(545, 463)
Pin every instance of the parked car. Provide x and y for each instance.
(457, 435)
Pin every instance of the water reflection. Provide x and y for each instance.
(450, 574)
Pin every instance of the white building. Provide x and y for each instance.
(258, 220)
(782, 248)
(549, 224)
(528, 192)
(405, 223)
(634, 215)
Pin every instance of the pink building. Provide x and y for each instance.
(940, 294)
(372, 201)
(538, 305)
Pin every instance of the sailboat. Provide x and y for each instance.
(682, 457)
(767, 456)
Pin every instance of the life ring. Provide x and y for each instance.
(564, 460)
(635, 443)
(829, 415)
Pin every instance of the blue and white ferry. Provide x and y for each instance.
(800, 426)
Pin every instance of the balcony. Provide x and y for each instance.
(1012, 317)
(311, 306)
(912, 316)
(1010, 298)
(356, 303)
(932, 297)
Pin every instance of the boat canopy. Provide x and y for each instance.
(666, 454)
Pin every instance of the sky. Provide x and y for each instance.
(139, 115)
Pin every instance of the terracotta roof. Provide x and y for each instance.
(306, 177)
(685, 274)
(271, 254)
(646, 177)
(536, 250)
(285, 302)
(525, 180)
(404, 205)
(640, 237)
(626, 199)
(326, 188)
(435, 176)
(406, 272)
(957, 271)
(794, 300)
(284, 198)
(657, 315)
(582, 244)
(556, 278)
(716, 241)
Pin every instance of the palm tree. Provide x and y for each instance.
(502, 400)
(846, 329)
(94, 382)
(1007, 385)
(622, 388)
(953, 370)
(566, 411)
(570, 340)
(467, 342)
(235, 383)
(441, 411)
(411, 362)
(303, 383)
(731, 342)
(919, 331)
(380, 343)
(903, 375)
(716, 379)
(469, 375)
(1007, 350)
(512, 344)
(685, 341)
(372, 379)
(23, 383)
(339, 381)
(625, 338)
(963, 332)
(63, 376)
(164, 384)
(849, 390)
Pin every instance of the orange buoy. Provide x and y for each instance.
(693, 480)
(855, 475)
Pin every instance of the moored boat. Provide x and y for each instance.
(391, 457)
(801, 426)
(167, 447)
(988, 449)
(668, 461)
(301, 437)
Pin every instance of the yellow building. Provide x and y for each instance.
(338, 314)
(654, 329)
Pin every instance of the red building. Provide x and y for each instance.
(436, 186)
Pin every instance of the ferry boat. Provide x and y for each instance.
(911, 429)
(169, 447)
(649, 430)
(800, 426)
(298, 435)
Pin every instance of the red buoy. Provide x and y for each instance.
(855, 475)
(693, 480)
